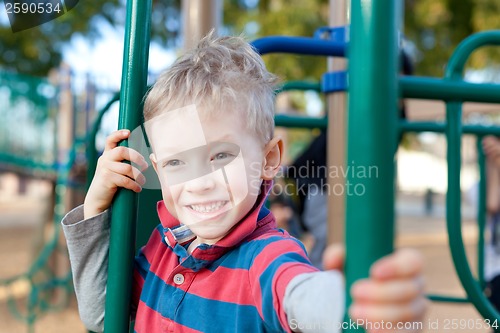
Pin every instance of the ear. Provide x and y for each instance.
(272, 159)
(154, 162)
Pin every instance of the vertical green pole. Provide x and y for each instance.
(481, 210)
(133, 88)
(373, 65)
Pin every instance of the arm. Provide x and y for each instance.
(305, 292)
(88, 245)
(87, 227)
(274, 266)
(393, 293)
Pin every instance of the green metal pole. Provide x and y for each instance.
(133, 88)
(453, 197)
(373, 65)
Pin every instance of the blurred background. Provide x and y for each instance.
(57, 83)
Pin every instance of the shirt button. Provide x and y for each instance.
(178, 279)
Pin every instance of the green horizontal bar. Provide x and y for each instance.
(300, 121)
(26, 163)
(299, 85)
(448, 299)
(436, 127)
(446, 90)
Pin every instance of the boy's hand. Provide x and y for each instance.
(393, 293)
(112, 173)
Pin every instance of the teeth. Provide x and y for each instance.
(208, 208)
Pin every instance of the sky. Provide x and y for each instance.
(103, 57)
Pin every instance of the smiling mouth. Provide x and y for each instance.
(208, 208)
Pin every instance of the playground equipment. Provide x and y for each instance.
(30, 146)
(27, 138)
(374, 88)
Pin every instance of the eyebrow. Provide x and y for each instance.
(224, 137)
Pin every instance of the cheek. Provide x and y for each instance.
(253, 177)
(239, 179)
(169, 198)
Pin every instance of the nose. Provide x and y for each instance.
(200, 184)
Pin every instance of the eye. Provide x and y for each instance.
(221, 156)
(172, 163)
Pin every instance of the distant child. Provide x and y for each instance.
(491, 147)
(217, 262)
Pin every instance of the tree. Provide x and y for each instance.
(35, 51)
(281, 17)
(434, 26)
(438, 26)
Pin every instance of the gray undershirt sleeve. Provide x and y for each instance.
(315, 302)
(88, 246)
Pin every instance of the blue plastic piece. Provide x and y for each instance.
(300, 45)
(334, 81)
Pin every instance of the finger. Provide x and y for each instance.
(114, 138)
(394, 313)
(400, 264)
(114, 180)
(333, 257)
(127, 170)
(121, 153)
(392, 291)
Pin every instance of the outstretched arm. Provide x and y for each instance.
(393, 294)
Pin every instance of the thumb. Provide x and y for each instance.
(333, 257)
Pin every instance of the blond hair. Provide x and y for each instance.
(225, 73)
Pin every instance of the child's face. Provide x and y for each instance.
(210, 169)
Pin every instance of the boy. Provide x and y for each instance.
(217, 263)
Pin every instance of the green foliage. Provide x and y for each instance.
(280, 17)
(435, 26)
(35, 51)
(438, 26)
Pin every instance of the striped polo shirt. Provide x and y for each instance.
(235, 285)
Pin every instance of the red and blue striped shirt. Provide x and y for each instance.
(235, 285)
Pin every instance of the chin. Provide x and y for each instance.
(210, 235)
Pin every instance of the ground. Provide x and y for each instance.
(20, 232)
